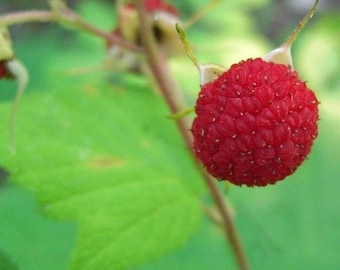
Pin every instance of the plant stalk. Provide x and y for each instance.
(168, 87)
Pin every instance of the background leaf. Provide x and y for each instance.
(292, 225)
(109, 160)
(6, 263)
(29, 239)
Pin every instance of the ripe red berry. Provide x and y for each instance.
(255, 123)
(4, 72)
(163, 17)
(156, 5)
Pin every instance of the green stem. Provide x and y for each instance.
(301, 25)
(19, 72)
(172, 94)
(161, 72)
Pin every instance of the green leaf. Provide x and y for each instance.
(6, 263)
(30, 240)
(112, 161)
(101, 14)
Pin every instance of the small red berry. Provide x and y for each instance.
(163, 17)
(4, 72)
(156, 5)
(255, 123)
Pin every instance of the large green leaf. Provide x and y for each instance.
(110, 160)
(6, 263)
(30, 240)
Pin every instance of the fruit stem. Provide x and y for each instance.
(73, 19)
(182, 113)
(171, 93)
(301, 25)
(187, 47)
(161, 72)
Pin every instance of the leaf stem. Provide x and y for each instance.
(161, 72)
(73, 20)
(301, 25)
(172, 95)
(20, 73)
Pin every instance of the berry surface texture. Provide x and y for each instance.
(255, 124)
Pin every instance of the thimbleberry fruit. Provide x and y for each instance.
(162, 16)
(4, 73)
(156, 5)
(255, 123)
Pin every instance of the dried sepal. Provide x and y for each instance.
(166, 34)
(6, 50)
(128, 25)
(162, 16)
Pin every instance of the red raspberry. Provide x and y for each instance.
(255, 123)
(4, 73)
(163, 16)
(2, 70)
(156, 5)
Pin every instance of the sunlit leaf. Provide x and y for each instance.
(112, 161)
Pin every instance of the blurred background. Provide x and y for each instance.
(292, 225)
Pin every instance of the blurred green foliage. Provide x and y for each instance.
(292, 225)
(6, 263)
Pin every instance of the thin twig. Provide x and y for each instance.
(172, 94)
(200, 13)
(74, 19)
(27, 16)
